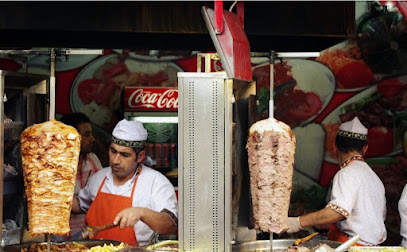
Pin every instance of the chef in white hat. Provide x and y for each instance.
(136, 198)
(358, 202)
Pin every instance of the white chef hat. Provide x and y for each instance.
(129, 134)
(353, 129)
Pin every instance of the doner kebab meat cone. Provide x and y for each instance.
(50, 154)
(271, 149)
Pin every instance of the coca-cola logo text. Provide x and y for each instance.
(162, 99)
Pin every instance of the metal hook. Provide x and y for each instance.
(272, 56)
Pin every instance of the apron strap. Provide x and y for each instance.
(135, 182)
(334, 234)
(101, 186)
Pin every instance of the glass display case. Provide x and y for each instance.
(25, 101)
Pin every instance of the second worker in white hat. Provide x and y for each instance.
(136, 198)
(358, 202)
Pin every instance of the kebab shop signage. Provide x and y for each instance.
(150, 99)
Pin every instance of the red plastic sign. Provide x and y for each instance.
(150, 99)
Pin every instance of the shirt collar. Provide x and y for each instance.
(347, 161)
(109, 176)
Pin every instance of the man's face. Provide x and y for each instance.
(123, 161)
(85, 129)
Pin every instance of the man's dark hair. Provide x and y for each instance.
(137, 150)
(75, 119)
(347, 144)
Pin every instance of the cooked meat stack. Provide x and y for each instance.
(50, 154)
(271, 148)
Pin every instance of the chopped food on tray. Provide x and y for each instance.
(377, 249)
(106, 248)
(72, 247)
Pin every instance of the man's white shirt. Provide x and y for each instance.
(403, 216)
(153, 191)
(359, 195)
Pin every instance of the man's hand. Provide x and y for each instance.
(293, 224)
(76, 209)
(128, 217)
(157, 221)
(86, 234)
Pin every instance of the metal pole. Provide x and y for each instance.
(272, 57)
(47, 52)
(199, 63)
(52, 86)
(298, 54)
(293, 55)
(48, 242)
(2, 84)
(286, 54)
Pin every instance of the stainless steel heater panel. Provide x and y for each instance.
(203, 99)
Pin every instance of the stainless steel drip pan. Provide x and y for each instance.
(283, 244)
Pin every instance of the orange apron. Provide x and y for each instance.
(104, 209)
(334, 234)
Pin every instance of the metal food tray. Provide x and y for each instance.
(88, 243)
(377, 249)
(280, 245)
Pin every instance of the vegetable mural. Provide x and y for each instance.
(314, 96)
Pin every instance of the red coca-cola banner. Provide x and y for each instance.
(150, 99)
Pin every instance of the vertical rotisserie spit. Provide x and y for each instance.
(50, 154)
(271, 148)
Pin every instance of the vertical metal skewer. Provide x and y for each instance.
(48, 242)
(52, 86)
(271, 101)
(51, 111)
(271, 110)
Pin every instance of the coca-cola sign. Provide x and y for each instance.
(150, 99)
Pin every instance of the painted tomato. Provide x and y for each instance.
(389, 87)
(9, 65)
(88, 90)
(354, 75)
(306, 108)
(380, 141)
(105, 94)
